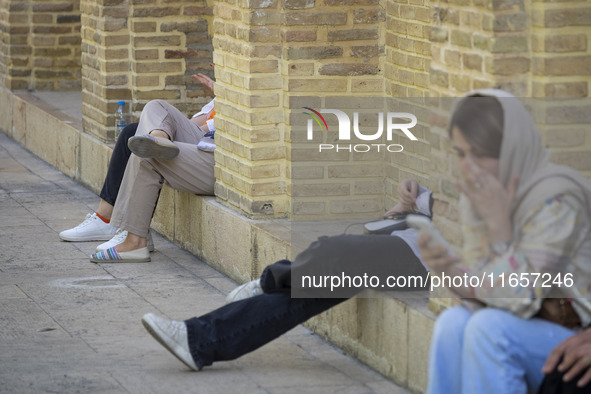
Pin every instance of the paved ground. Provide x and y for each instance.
(71, 326)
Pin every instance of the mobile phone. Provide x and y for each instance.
(424, 225)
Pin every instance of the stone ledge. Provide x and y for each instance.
(389, 334)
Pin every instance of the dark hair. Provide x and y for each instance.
(480, 120)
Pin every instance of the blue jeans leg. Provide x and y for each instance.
(117, 165)
(243, 326)
(445, 356)
(490, 351)
(504, 353)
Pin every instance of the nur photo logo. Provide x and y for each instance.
(346, 128)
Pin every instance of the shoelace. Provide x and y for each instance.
(89, 219)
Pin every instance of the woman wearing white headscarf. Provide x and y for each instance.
(523, 218)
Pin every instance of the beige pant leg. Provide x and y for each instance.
(159, 115)
(191, 170)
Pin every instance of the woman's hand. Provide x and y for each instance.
(437, 258)
(575, 353)
(407, 192)
(492, 201)
(204, 80)
(396, 209)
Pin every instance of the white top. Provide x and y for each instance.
(206, 110)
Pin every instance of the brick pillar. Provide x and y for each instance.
(407, 78)
(561, 41)
(105, 63)
(170, 42)
(139, 50)
(15, 51)
(40, 45)
(333, 59)
(250, 153)
(561, 49)
(55, 40)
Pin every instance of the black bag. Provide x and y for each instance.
(553, 384)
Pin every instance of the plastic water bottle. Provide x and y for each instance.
(120, 119)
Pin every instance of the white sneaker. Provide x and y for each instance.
(120, 237)
(91, 229)
(247, 290)
(172, 335)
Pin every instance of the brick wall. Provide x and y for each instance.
(250, 154)
(40, 48)
(333, 58)
(561, 73)
(137, 50)
(407, 78)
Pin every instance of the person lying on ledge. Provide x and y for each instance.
(264, 309)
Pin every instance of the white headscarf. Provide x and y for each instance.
(523, 154)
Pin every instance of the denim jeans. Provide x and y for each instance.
(490, 351)
(243, 326)
(117, 165)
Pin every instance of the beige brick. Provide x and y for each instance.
(567, 17)
(353, 34)
(159, 41)
(321, 52)
(573, 65)
(307, 172)
(320, 189)
(472, 61)
(461, 38)
(437, 34)
(367, 85)
(315, 18)
(144, 27)
(299, 35)
(298, 4)
(308, 208)
(452, 58)
(266, 153)
(356, 207)
(301, 69)
(566, 89)
(507, 66)
(566, 43)
(163, 67)
(315, 85)
(349, 69)
(266, 189)
(563, 137)
(439, 78)
(508, 44)
(368, 16)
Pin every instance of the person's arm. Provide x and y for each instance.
(408, 191)
(204, 80)
(547, 239)
(572, 357)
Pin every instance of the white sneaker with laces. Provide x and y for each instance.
(247, 290)
(91, 229)
(120, 237)
(172, 335)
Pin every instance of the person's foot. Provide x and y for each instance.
(172, 335)
(92, 228)
(112, 255)
(119, 238)
(148, 146)
(247, 290)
